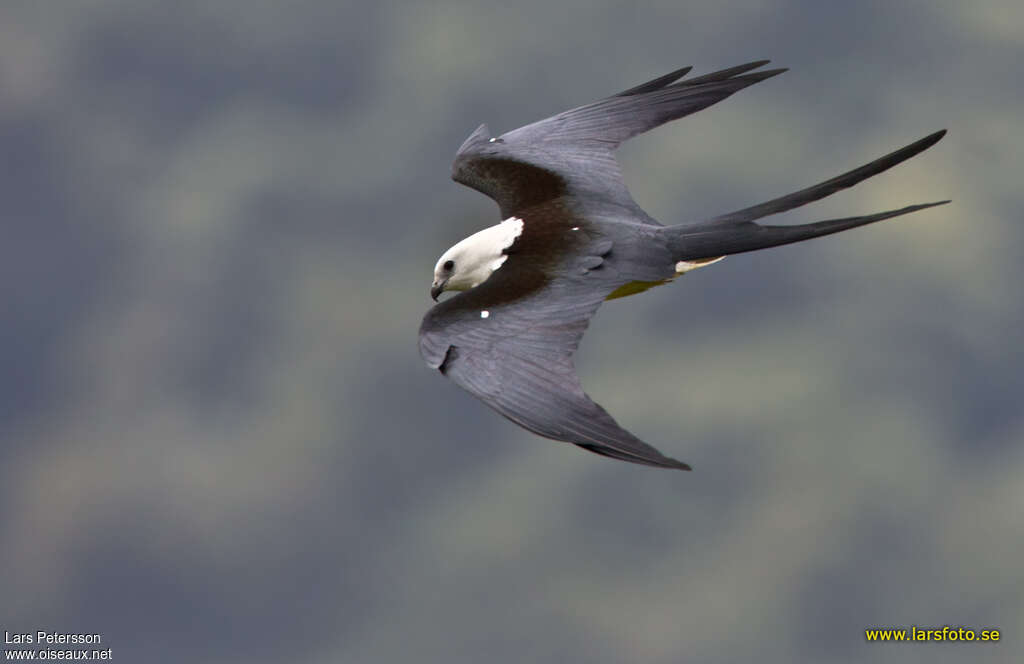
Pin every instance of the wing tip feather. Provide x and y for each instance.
(657, 83)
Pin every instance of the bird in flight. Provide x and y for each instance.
(573, 237)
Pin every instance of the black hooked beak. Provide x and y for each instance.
(437, 288)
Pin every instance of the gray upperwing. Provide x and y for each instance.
(572, 153)
(611, 121)
(544, 395)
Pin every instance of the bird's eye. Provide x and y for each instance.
(448, 266)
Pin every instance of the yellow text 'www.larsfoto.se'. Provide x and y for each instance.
(946, 633)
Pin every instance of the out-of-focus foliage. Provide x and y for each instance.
(217, 440)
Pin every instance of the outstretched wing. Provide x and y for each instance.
(572, 153)
(510, 342)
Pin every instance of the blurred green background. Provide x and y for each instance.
(218, 441)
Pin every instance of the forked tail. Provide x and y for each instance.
(736, 232)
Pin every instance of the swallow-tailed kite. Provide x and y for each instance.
(573, 237)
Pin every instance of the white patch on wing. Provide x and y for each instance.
(682, 267)
(485, 314)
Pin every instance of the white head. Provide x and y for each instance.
(471, 261)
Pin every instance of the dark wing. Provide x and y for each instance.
(510, 342)
(572, 153)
